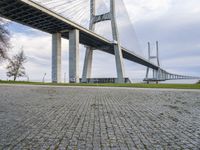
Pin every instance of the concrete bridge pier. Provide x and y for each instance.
(74, 56)
(56, 58)
(168, 77)
(116, 42)
(154, 74)
(159, 75)
(117, 46)
(87, 67)
(163, 75)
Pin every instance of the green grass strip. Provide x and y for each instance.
(134, 85)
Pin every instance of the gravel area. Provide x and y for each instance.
(39, 117)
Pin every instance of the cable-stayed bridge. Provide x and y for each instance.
(49, 16)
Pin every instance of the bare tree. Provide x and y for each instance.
(4, 40)
(15, 67)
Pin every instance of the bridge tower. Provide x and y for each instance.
(111, 15)
(156, 73)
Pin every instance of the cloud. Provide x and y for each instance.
(146, 9)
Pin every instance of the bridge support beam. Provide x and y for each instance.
(117, 46)
(56, 58)
(119, 64)
(87, 66)
(163, 75)
(157, 74)
(154, 74)
(74, 56)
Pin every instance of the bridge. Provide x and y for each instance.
(35, 15)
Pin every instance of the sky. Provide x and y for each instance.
(174, 23)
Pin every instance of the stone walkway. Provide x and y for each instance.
(36, 117)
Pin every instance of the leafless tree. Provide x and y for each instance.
(4, 40)
(15, 67)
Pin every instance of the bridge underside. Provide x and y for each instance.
(33, 15)
(23, 13)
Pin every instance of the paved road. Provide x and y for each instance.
(39, 117)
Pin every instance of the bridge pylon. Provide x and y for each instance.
(111, 15)
(158, 75)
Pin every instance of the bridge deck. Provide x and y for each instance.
(31, 14)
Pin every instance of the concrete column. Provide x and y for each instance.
(56, 58)
(158, 74)
(157, 51)
(117, 46)
(149, 50)
(162, 75)
(87, 67)
(147, 73)
(154, 73)
(74, 56)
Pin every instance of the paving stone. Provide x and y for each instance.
(38, 117)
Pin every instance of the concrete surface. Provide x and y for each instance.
(42, 117)
(74, 56)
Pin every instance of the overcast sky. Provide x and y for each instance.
(175, 23)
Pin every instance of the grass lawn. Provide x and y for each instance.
(134, 85)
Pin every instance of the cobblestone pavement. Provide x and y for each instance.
(36, 117)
